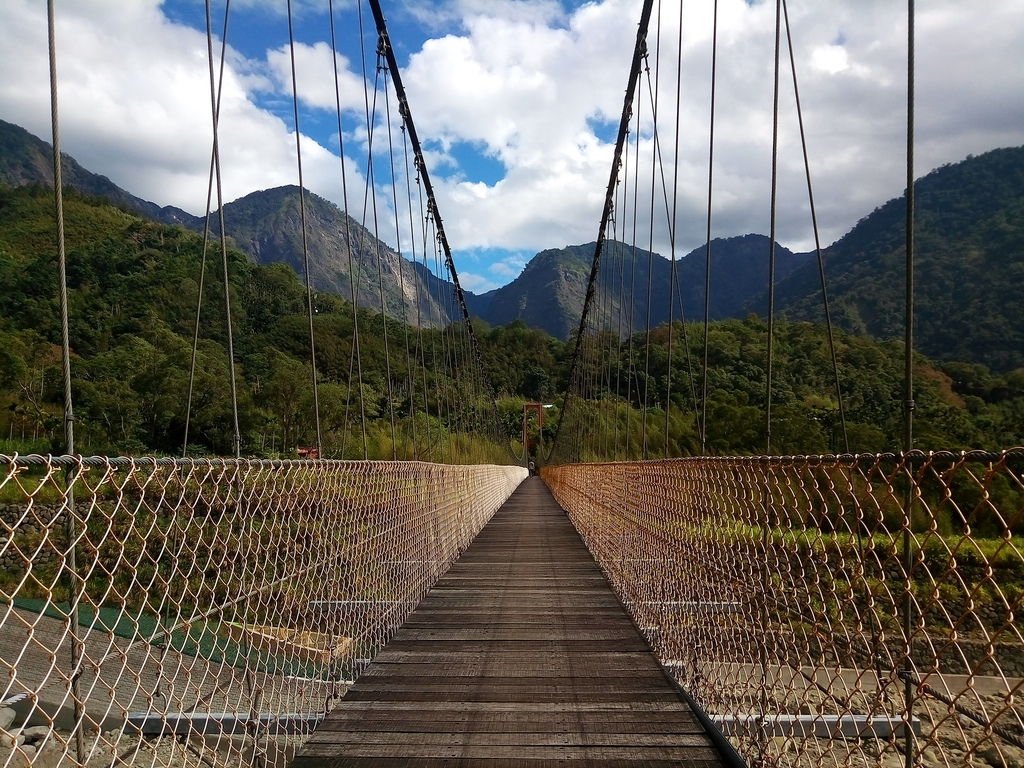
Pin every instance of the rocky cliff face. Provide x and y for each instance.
(343, 255)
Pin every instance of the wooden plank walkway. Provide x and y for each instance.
(521, 655)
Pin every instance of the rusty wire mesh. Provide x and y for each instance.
(226, 602)
(815, 606)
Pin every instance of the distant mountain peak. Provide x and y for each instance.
(549, 292)
(970, 265)
(26, 160)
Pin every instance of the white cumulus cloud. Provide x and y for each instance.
(535, 88)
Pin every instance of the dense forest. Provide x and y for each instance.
(134, 286)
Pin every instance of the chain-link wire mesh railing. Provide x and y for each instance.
(180, 612)
(816, 607)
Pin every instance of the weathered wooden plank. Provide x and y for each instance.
(679, 754)
(504, 619)
(490, 669)
(497, 706)
(527, 635)
(536, 694)
(579, 646)
(519, 658)
(503, 762)
(566, 684)
(513, 722)
(524, 738)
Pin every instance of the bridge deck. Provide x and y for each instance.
(520, 656)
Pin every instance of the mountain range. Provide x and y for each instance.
(266, 225)
(970, 236)
(27, 160)
(550, 291)
(969, 273)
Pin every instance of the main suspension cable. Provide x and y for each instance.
(403, 106)
(627, 107)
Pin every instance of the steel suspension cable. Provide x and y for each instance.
(77, 649)
(707, 245)
(620, 337)
(58, 208)
(670, 215)
(908, 348)
(771, 243)
(672, 240)
(458, 335)
(371, 192)
(817, 238)
(401, 271)
(650, 242)
(237, 437)
(448, 331)
(444, 323)
(355, 271)
(355, 354)
(207, 218)
(908, 398)
(614, 267)
(603, 365)
(634, 73)
(420, 360)
(429, 242)
(403, 106)
(768, 501)
(419, 297)
(302, 223)
(631, 370)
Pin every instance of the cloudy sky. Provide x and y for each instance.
(518, 101)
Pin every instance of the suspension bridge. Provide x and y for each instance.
(629, 606)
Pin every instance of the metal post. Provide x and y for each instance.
(908, 403)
